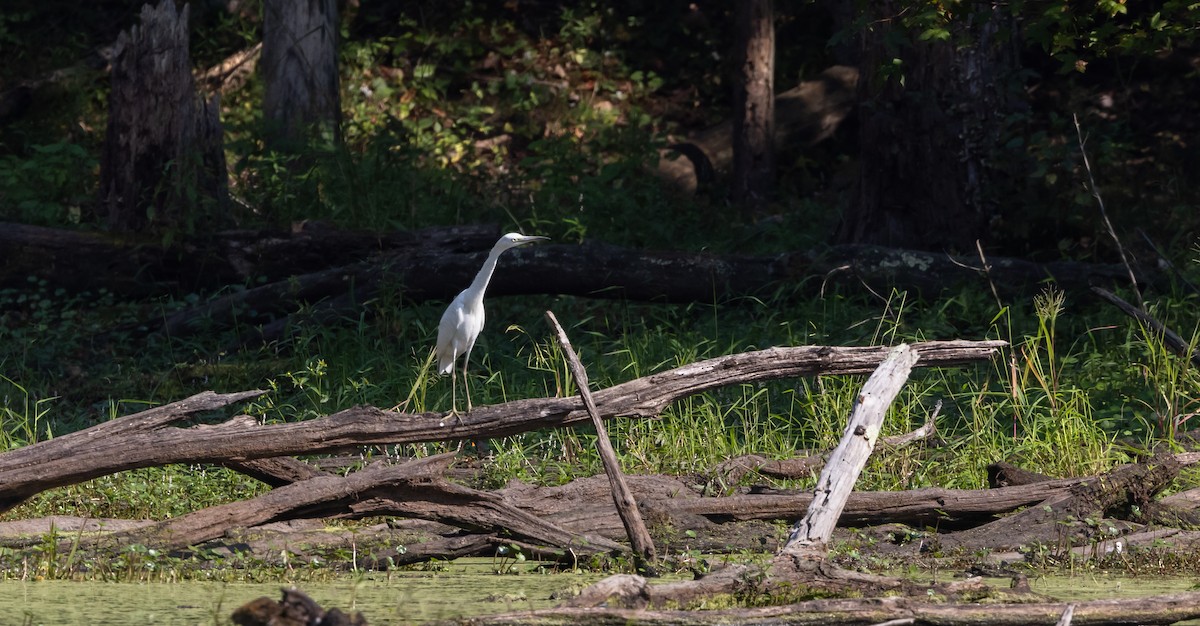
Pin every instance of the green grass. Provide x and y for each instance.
(1037, 404)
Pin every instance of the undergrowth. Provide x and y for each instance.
(1051, 403)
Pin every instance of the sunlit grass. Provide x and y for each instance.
(1034, 405)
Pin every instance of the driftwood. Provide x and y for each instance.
(414, 489)
(146, 439)
(1166, 609)
(631, 518)
(836, 481)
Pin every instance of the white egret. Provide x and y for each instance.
(463, 319)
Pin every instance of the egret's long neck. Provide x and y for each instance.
(479, 285)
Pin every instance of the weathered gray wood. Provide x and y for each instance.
(627, 508)
(413, 489)
(1164, 609)
(91, 453)
(848, 459)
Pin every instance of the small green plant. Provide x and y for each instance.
(47, 185)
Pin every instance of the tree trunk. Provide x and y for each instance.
(299, 63)
(163, 164)
(930, 117)
(754, 104)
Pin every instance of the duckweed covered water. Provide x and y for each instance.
(465, 587)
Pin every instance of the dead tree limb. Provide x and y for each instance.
(1063, 517)
(803, 466)
(1169, 337)
(836, 481)
(627, 508)
(413, 489)
(1165, 609)
(145, 440)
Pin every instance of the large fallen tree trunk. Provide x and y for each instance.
(140, 265)
(605, 271)
(804, 115)
(414, 489)
(1166, 609)
(337, 271)
(144, 439)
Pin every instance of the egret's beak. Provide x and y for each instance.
(533, 238)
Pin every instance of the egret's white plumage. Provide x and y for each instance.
(463, 319)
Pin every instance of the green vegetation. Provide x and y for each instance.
(582, 100)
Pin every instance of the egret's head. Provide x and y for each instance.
(512, 240)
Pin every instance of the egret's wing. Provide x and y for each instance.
(448, 346)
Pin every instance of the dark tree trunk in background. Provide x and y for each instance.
(754, 104)
(299, 64)
(925, 142)
(163, 165)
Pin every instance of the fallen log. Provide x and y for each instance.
(1164, 609)
(141, 265)
(145, 439)
(1063, 518)
(413, 489)
(599, 270)
(337, 271)
(804, 115)
(810, 533)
